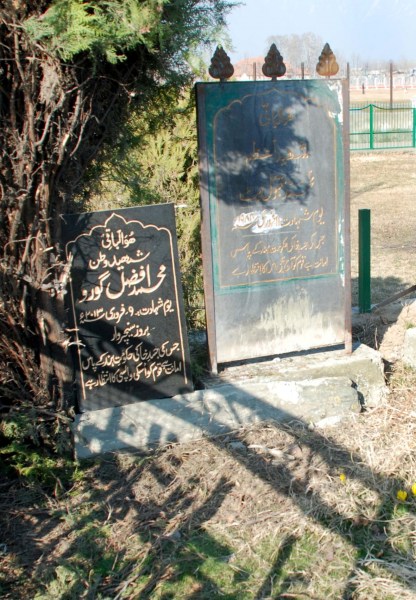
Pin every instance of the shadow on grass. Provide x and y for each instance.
(276, 570)
(382, 288)
(175, 556)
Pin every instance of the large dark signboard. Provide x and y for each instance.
(274, 208)
(126, 306)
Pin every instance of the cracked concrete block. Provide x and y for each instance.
(210, 412)
(312, 389)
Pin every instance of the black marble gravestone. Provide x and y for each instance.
(275, 216)
(125, 304)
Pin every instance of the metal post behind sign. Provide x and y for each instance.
(364, 251)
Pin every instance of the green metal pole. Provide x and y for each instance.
(391, 84)
(414, 128)
(371, 127)
(364, 260)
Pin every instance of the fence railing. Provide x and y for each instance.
(377, 127)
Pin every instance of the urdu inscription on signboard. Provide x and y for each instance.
(274, 216)
(126, 306)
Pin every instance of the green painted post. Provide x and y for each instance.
(414, 128)
(371, 126)
(364, 260)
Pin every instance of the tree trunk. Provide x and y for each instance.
(54, 118)
(52, 125)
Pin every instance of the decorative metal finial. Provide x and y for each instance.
(327, 65)
(221, 67)
(273, 64)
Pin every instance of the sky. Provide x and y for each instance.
(372, 29)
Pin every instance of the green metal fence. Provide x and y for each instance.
(377, 127)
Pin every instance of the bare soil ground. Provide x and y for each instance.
(385, 183)
(277, 511)
(382, 95)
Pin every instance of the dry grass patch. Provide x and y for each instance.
(278, 511)
(385, 182)
(382, 95)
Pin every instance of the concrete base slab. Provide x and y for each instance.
(364, 367)
(314, 388)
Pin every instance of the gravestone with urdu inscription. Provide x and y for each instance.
(126, 306)
(274, 216)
